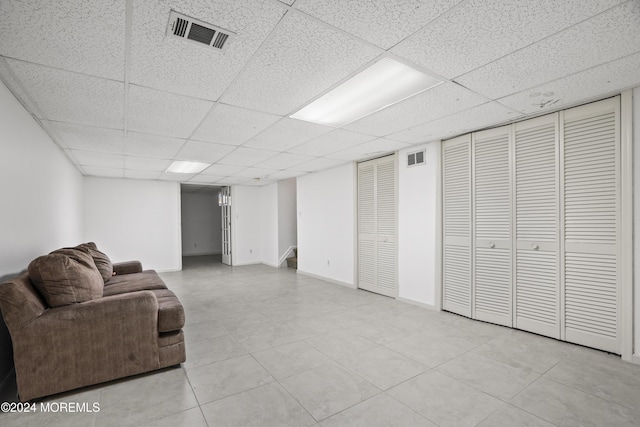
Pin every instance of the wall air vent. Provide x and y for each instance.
(416, 158)
(187, 28)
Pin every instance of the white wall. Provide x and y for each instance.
(246, 225)
(636, 219)
(287, 218)
(418, 226)
(326, 223)
(40, 190)
(201, 224)
(134, 219)
(269, 224)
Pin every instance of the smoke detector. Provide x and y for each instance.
(194, 30)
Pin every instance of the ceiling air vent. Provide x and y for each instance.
(187, 28)
(416, 158)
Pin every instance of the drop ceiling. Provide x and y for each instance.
(122, 99)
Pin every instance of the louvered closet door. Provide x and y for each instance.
(591, 205)
(377, 241)
(492, 284)
(456, 183)
(537, 296)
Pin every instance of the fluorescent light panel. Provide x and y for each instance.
(384, 83)
(180, 166)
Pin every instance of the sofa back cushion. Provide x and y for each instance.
(66, 276)
(102, 261)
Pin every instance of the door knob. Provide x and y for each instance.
(492, 245)
(535, 247)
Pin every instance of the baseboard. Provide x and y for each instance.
(268, 264)
(417, 303)
(636, 359)
(326, 279)
(247, 263)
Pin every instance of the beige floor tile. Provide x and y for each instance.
(268, 405)
(445, 401)
(189, 418)
(290, 359)
(378, 411)
(328, 389)
(218, 380)
(213, 350)
(510, 416)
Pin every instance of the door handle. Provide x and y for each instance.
(535, 247)
(492, 245)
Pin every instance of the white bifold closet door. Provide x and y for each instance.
(377, 236)
(492, 284)
(591, 205)
(457, 268)
(537, 295)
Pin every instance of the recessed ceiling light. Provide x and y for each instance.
(180, 166)
(384, 83)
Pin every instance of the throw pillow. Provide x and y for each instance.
(66, 276)
(102, 261)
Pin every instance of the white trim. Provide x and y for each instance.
(326, 279)
(283, 258)
(418, 303)
(626, 227)
(252, 263)
(437, 297)
(636, 359)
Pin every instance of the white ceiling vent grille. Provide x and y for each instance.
(187, 28)
(416, 158)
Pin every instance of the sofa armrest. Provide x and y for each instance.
(127, 267)
(87, 343)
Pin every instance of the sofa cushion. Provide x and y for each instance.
(66, 277)
(170, 311)
(101, 260)
(144, 281)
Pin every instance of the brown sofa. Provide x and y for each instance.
(75, 320)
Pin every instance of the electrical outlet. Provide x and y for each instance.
(328, 262)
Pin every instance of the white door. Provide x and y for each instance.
(591, 182)
(492, 284)
(537, 294)
(377, 241)
(457, 261)
(225, 202)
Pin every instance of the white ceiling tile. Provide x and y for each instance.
(287, 133)
(73, 35)
(162, 113)
(587, 85)
(440, 101)
(232, 180)
(480, 31)
(243, 156)
(71, 97)
(380, 22)
(222, 170)
(137, 174)
(231, 125)
(284, 161)
(255, 172)
(280, 175)
(179, 177)
(473, 119)
(103, 172)
(318, 164)
(375, 148)
(259, 182)
(89, 138)
(146, 163)
(183, 67)
(147, 145)
(206, 152)
(206, 179)
(606, 37)
(300, 60)
(331, 142)
(106, 160)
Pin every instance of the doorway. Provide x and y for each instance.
(201, 219)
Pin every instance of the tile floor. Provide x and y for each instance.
(268, 347)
